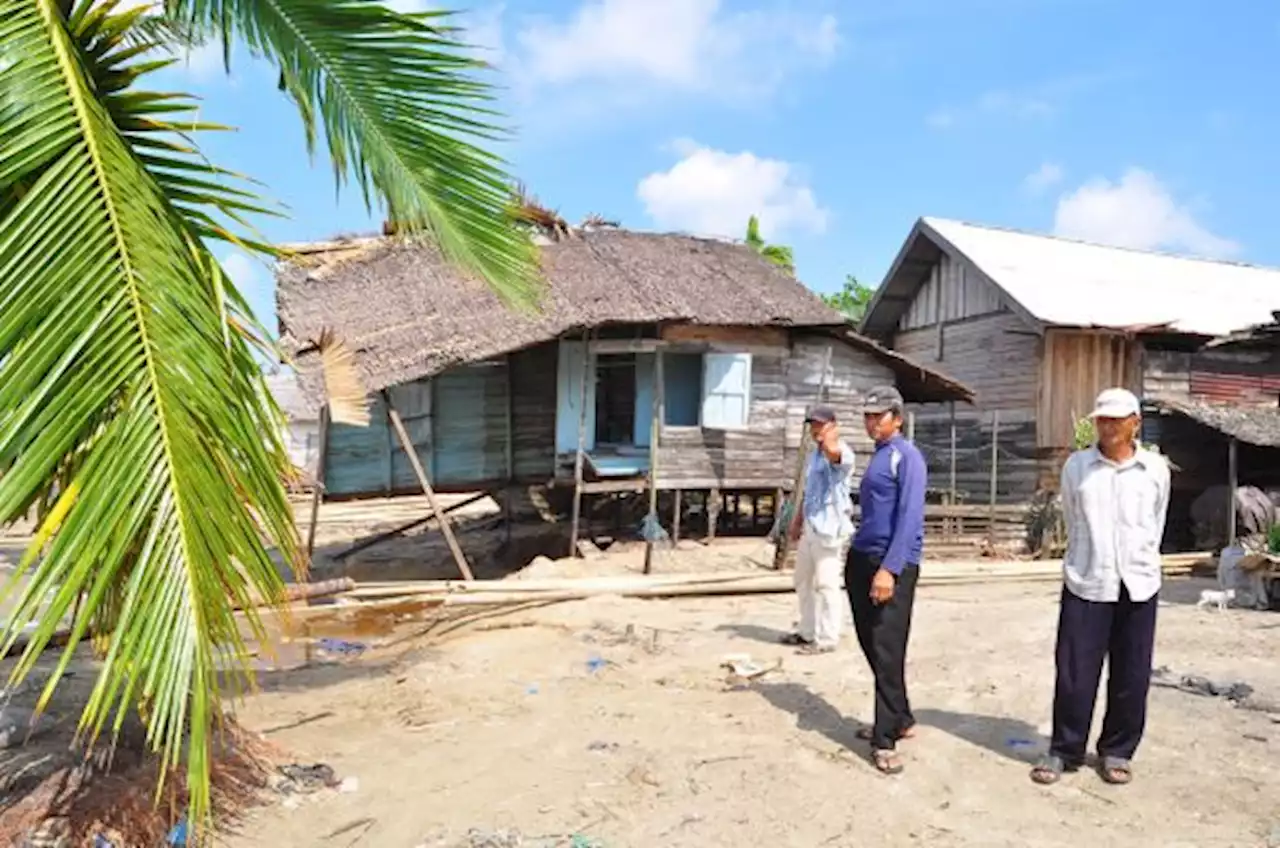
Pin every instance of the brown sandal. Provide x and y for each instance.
(886, 761)
(1116, 771)
(864, 733)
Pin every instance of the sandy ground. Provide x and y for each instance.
(610, 719)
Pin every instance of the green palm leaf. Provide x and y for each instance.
(399, 105)
(130, 404)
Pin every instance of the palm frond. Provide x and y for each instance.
(131, 404)
(400, 105)
(348, 401)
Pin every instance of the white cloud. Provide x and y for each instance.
(713, 192)
(688, 45)
(1139, 212)
(205, 62)
(1039, 102)
(1043, 178)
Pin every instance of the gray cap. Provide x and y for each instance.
(882, 399)
(819, 414)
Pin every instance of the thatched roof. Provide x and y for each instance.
(408, 315)
(1258, 426)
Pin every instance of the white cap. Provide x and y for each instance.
(1116, 403)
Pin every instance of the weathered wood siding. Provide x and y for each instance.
(533, 387)
(1075, 367)
(950, 294)
(782, 387)
(851, 373)
(1246, 378)
(458, 423)
(1166, 374)
(996, 355)
(704, 458)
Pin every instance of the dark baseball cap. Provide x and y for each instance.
(882, 399)
(819, 414)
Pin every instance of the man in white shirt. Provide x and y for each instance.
(1115, 496)
(822, 524)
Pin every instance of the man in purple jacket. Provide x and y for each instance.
(883, 567)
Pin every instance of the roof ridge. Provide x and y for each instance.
(1186, 257)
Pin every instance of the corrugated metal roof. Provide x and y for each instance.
(1073, 283)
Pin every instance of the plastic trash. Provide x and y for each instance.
(341, 646)
(596, 663)
(178, 835)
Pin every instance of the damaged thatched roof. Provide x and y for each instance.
(1258, 426)
(407, 314)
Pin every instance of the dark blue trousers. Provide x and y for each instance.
(1123, 633)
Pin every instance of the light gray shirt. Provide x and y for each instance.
(828, 507)
(1115, 515)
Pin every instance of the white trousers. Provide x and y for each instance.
(819, 568)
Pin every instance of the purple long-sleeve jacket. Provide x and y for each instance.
(892, 504)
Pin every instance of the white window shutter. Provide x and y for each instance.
(726, 390)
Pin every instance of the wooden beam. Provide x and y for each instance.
(425, 482)
(579, 457)
(408, 525)
(1233, 482)
(626, 345)
(318, 492)
(655, 434)
(995, 470)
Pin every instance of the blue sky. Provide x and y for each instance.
(1147, 124)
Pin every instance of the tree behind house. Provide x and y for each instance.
(779, 254)
(852, 300)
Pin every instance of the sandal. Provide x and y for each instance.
(1048, 770)
(864, 733)
(1116, 771)
(795, 639)
(886, 761)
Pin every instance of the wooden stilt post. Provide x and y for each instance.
(995, 466)
(655, 433)
(952, 527)
(1233, 481)
(675, 519)
(582, 445)
(414, 460)
(507, 512)
(713, 513)
(318, 492)
(911, 426)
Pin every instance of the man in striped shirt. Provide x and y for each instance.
(1115, 497)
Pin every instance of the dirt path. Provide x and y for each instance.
(610, 719)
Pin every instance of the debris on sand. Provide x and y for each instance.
(743, 670)
(1239, 693)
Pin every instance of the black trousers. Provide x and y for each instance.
(883, 631)
(1123, 633)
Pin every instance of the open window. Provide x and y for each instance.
(710, 390)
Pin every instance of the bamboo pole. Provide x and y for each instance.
(655, 432)
(578, 458)
(995, 466)
(425, 482)
(953, 526)
(318, 492)
(1233, 482)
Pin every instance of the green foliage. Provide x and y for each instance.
(1273, 538)
(133, 416)
(852, 300)
(778, 254)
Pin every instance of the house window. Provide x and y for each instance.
(615, 399)
(681, 389)
(712, 390)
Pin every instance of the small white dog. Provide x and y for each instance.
(1220, 598)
